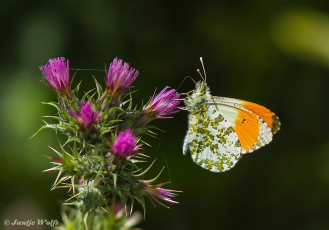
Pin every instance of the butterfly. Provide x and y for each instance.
(222, 129)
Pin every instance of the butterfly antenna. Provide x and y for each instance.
(201, 75)
(204, 70)
(184, 80)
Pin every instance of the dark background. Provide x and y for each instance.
(275, 53)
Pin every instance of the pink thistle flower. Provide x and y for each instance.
(119, 76)
(87, 116)
(163, 104)
(125, 144)
(58, 75)
(158, 193)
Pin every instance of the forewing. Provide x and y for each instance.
(211, 140)
(253, 131)
(267, 115)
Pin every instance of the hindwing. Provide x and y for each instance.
(211, 140)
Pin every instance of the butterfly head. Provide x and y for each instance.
(200, 95)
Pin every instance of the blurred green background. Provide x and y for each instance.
(274, 53)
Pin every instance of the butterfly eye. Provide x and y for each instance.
(202, 89)
(244, 120)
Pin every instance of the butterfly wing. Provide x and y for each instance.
(224, 128)
(253, 123)
(211, 139)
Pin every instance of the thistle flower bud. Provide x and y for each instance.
(125, 145)
(87, 117)
(163, 104)
(158, 193)
(57, 74)
(120, 76)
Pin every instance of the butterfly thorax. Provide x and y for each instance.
(199, 96)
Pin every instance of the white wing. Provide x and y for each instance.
(211, 140)
(252, 130)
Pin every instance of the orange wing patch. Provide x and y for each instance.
(268, 116)
(247, 129)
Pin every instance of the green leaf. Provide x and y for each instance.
(155, 178)
(145, 171)
(115, 178)
(54, 117)
(39, 130)
(54, 104)
(104, 131)
(99, 89)
(76, 89)
(74, 105)
(71, 139)
(87, 94)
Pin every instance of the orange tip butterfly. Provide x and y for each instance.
(221, 129)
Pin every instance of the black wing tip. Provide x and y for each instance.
(276, 124)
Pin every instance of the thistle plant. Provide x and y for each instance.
(103, 161)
